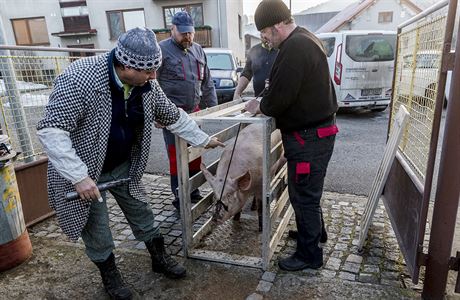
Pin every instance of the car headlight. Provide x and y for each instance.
(226, 83)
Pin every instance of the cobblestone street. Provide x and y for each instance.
(379, 264)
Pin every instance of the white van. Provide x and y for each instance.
(361, 65)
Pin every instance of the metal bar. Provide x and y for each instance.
(279, 205)
(12, 93)
(266, 197)
(184, 193)
(276, 153)
(204, 230)
(225, 111)
(425, 13)
(199, 208)
(214, 108)
(279, 232)
(198, 179)
(401, 119)
(233, 119)
(223, 135)
(446, 56)
(393, 83)
(222, 257)
(278, 182)
(447, 196)
(52, 49)
(418, 184)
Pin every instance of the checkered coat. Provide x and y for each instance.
(81, 104)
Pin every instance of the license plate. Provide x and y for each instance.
(371, 92)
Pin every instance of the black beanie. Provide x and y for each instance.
(270, 12)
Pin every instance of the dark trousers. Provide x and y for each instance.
(194, 166)
(308, 156)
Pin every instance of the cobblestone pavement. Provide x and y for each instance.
(380, 263)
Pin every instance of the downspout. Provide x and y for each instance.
(219, 22)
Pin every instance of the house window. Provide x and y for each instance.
(31, 31)
(385, 17)
(195, 11)
(121, 21)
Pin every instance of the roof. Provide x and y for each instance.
(327, 7)
(250, 29)
(354, 10)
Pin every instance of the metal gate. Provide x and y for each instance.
(423, 60)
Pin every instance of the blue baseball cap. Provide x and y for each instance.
(183, 22)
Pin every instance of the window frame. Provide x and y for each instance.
(120, 11)
(183, 7)
(29, 34)
(383, 17)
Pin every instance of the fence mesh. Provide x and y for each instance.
(26, 80)
(417, 71)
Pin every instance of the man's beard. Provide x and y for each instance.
(186, 44)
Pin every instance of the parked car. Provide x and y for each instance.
(224, 72)
(425, 69)
(361, 64)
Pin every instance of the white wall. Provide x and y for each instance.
(153, 12)
(369, 19)
(230, 27)
(98, 17)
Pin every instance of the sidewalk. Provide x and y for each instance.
(60, 270)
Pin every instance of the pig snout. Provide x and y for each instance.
(218, 216)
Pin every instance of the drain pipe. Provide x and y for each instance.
(219, 21)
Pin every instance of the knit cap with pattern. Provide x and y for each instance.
(138, 48)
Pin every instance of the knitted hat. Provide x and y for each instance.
(183, 22)
(270, 12)
(138, 48)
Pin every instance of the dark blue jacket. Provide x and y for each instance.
(184, 76)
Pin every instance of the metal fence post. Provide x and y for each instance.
(447, 196)
(14, 99)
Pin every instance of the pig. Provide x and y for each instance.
(244, 178)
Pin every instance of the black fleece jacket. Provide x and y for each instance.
(300, 94)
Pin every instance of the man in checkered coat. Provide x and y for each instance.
(96, 128)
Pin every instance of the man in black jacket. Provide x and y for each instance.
(301, 97)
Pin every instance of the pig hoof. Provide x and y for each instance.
(237, 216)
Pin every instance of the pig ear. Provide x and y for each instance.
(244, 181)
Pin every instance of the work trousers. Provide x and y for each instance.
(97, 235)
(308, 156)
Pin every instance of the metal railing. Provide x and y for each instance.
(417, 71)
(26, 79)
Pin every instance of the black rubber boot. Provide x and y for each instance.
(111, 278)
(162, 262)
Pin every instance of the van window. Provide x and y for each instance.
(377, 47)
(217, 61)
(329, 44)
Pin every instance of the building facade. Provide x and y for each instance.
(97, 24)
(372, 15)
